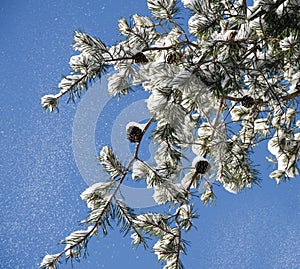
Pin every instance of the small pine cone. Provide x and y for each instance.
(202, 166)
(247, 101)
(134, 134)
(171, 58)
(231, 35)
(140, 58)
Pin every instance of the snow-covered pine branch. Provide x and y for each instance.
(218, 89)
(110, 162)
(162, 9)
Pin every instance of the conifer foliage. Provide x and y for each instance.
(220, 82)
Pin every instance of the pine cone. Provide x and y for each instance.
(231, 35)
(134, 134)
(171, 58)
(140, 58)
(202, 167)
(247, 101)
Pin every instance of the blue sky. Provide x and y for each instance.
(41, 184)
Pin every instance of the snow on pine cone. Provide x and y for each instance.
(247, 101)
(134, 131)
(201, 165)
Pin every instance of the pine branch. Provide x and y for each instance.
(83, 240)
(129, 219)
(287, 97)
(72, 86)
(177, 45)
(263, 12)
(179, 248)
(291, 96)
(85, 237)
(255, 67)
